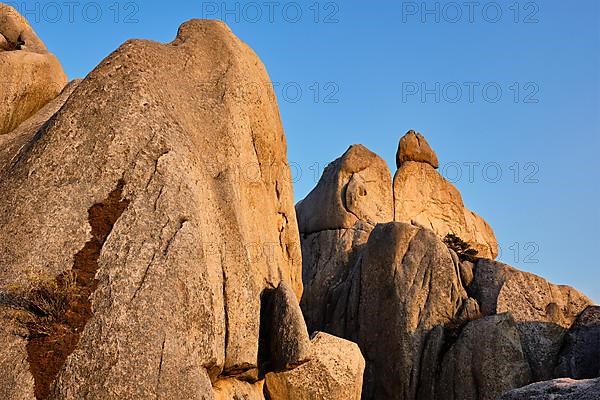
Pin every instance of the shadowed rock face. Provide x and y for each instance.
(486, 361)
(192, 137)
(408, 286)
(580, 354)
(31, 76)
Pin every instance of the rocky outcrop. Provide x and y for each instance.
(355, 187)
(559, 389)
(329, 263)
(408, 286)
(31, 76)
(431, 324)
(580, 355)
(414, 147)
(335, 372)
(486, 361)
(543, 312)
(423, 196)
(138, 192)
(335, 220)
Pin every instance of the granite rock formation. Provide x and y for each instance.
(424, 196)
(148, 238)
(431, 323)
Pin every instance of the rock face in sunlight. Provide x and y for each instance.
(30, 75)
(150, 249)
(148, 237)
(433, 324)
(422, 195)
(355, 187)
(414, 147)
(334, 373)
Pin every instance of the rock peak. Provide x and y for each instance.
(414, 147)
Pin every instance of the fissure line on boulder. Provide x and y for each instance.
(48, 352)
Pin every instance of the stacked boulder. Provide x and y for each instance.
(138, 257)
(432, 324)
(423, 196)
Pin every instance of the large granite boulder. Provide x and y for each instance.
(285, 343)
(335, 220)
(424, 196)
(137, 196)
(486, 361)
(335, 372)
(559, 389)
(543, 311)
(408, 286)
(31, 76)
(580, 355)
(355, 187)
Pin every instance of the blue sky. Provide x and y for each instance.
(506, 92)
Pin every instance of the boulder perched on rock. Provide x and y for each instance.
(285, 343)
(335, 372)
(414, 147)
(355, 187)
(31, 76)
(137, 197)
(422, 195)
(580, 354)
(559, 389)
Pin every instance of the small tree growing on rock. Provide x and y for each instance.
(460, 247)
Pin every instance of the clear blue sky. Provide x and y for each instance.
(362, 68)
